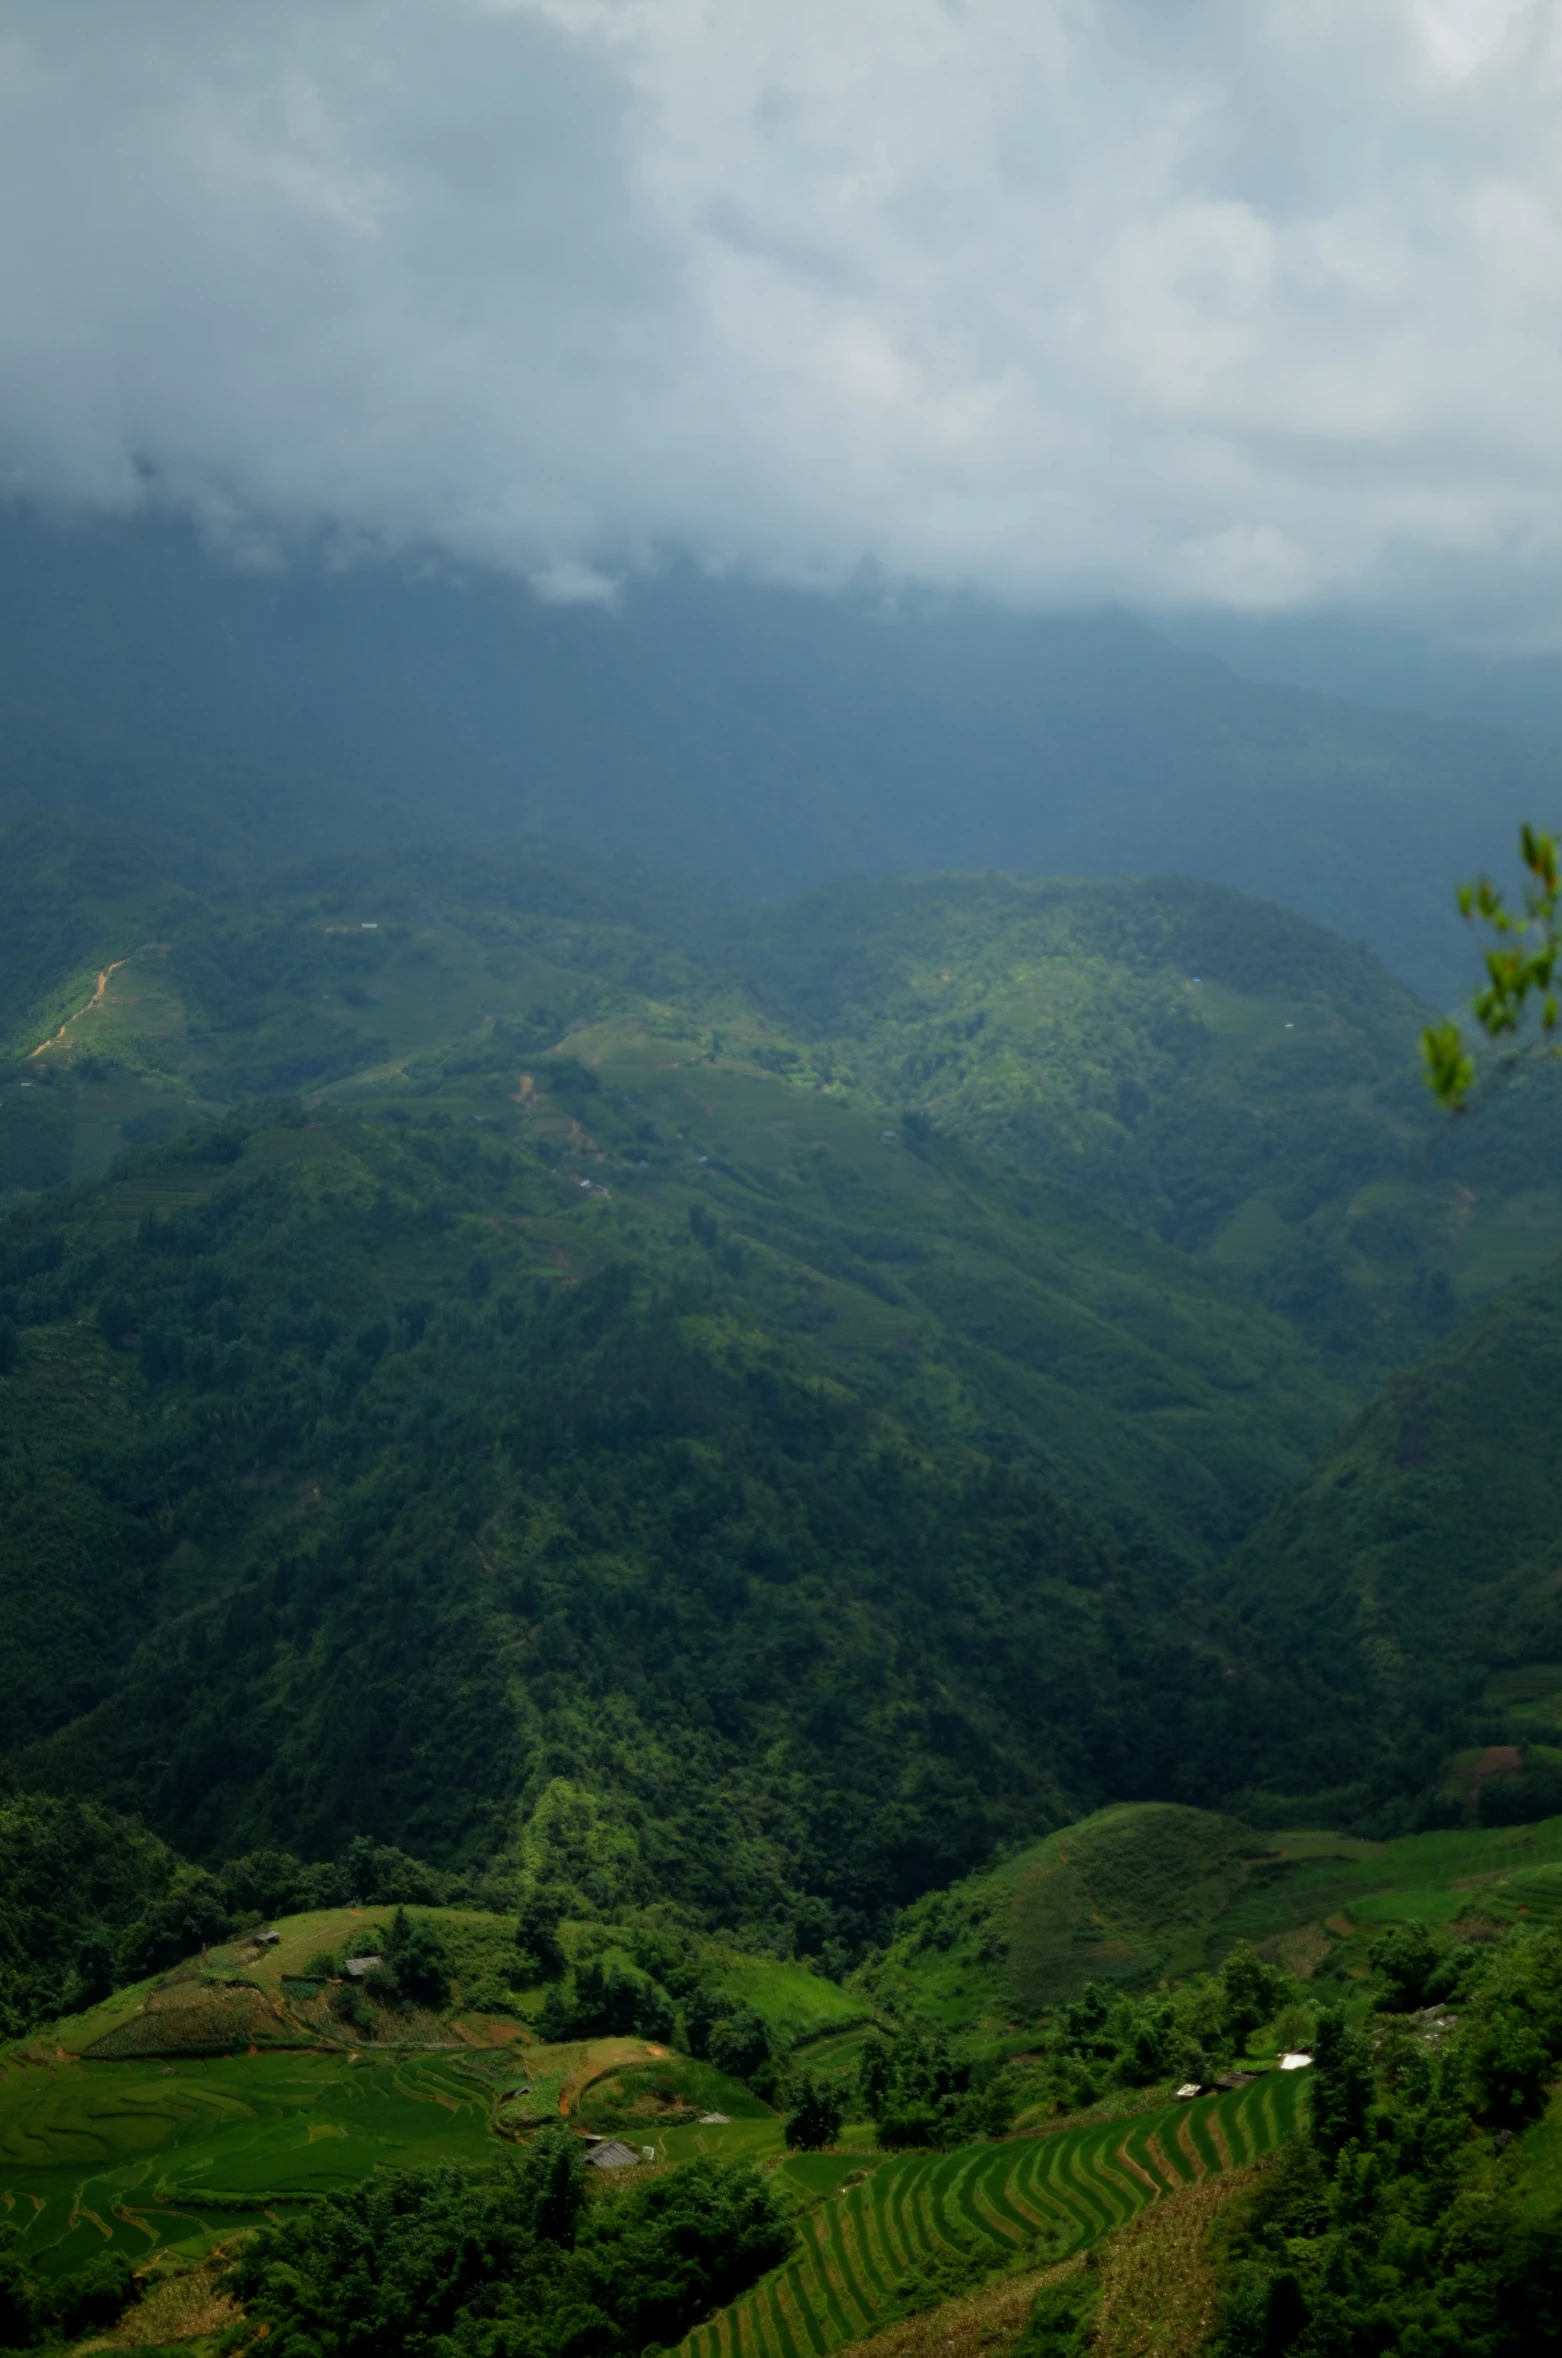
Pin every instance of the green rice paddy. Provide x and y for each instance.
(865, 2246)
(149, 2156)
(1510, 1873)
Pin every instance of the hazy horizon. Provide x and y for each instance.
(1249, 312)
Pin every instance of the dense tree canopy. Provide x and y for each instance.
(519, 2265)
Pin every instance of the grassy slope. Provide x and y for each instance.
(1146, 1893)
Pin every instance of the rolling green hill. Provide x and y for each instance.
(1211, 1069)
(1143, 1895)
(1130, 1895)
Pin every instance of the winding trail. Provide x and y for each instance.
(96, 1000)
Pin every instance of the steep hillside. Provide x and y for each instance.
(659, 1354)
(370, 1473)
(1130, 1896)
(1417, 1569)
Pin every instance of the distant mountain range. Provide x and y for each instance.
(236, 719)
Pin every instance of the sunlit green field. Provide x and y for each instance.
(146, 2155)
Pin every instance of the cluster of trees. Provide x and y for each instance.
(1413, 2218)
(414, 1971)
(600, 2001)
(816, 2114)
(90, 1900)
(594, 2000)
(75, 1885)
(734, 2037)
(1102, 2040)
(529, 2262)
(921, 2091)
(50, 2311)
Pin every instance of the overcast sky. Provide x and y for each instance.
(1246, 302)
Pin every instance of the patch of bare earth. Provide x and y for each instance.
(1300, 1952)
(981, 2324)
(1158, 2287)
(175, 2308)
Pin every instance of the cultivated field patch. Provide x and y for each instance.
(145, 2156)
(899, 2233)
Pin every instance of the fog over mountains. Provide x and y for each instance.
(751, 1416)
(768, 737)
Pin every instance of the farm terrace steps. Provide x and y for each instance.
(143, 2156)
(868, 2244)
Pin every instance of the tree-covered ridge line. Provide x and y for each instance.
(1212, 1068)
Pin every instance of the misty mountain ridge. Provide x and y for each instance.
(767, 737)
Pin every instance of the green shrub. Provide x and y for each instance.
(815, 2118)
(58, 2309)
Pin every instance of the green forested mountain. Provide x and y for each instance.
(796, 1402)
(1417, 1571)
(363, 1474)
(1213, 1067)
(1208, 1068)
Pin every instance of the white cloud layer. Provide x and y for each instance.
(1248, 302)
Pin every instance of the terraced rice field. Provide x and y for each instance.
(1513, 1873)
(860, 2249)
(140, 2156)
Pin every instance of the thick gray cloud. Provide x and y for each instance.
(1247, 302)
